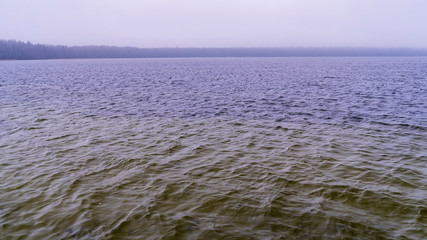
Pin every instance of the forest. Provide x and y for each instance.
(18, 50)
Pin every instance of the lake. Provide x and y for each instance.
(214, 148)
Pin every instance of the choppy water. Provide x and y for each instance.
(267, 148)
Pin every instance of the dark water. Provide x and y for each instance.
(266, 148)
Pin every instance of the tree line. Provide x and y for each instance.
(12, 49)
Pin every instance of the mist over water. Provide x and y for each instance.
(227, 148)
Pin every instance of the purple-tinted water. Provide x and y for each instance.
(239, 148)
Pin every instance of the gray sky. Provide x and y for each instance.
(217, 23)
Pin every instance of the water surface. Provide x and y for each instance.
(262, 148)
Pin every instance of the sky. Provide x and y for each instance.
(217, 23)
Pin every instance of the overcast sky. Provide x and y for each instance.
(217, 23)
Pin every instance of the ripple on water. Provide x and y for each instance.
(212, 178)
(319, 148)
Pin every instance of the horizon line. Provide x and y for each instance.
(218, 47)
(13, 49)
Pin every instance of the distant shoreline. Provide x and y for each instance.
(17, 50)
(113, 58)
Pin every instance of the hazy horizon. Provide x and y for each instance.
(219, 24)
(191, 47)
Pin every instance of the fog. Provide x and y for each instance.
(220, 23)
